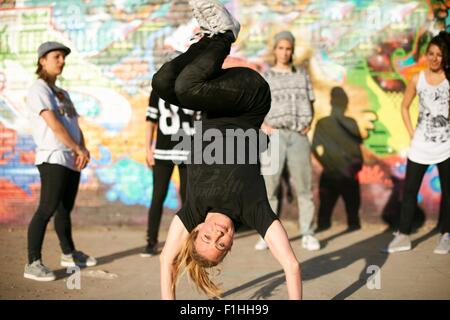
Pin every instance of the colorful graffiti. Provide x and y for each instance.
(370, 48)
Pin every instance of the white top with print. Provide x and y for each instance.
(431, 140)
(49, 148)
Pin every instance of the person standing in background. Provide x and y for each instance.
(291, 114)
(165, 120)
(60, 156)
(430, 141)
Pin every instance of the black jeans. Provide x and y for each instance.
(195, 80)
(413, 181)
(331, 187)
(162, 171)
(59, 187)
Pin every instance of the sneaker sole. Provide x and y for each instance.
(400, 249)
(312, 249)
(36, 278)
(261, 249)
(440, 252)
(201, 21)
(72, 264)
(146, 255)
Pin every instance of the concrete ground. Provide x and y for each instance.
(339, 271)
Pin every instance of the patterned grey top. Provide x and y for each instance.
(292, 94)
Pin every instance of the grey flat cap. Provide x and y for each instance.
(49, 46)
(284, 35)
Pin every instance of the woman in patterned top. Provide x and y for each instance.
(291, 115)
(430, 141)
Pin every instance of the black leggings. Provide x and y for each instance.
(413, 180)
(59, 186)
(196, 81)
(162, 171)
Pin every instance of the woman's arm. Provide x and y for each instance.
(408, 97)
(311, 98)
(83, 145)
(83, 142)
(278, 242)
(150, 128)
(308, 128)
(176, 237)
(64, 136)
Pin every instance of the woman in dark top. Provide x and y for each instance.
(220, 196)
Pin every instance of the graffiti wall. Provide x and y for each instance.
(369, 48)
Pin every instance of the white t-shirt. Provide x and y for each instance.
(431, 140)
(49, 149)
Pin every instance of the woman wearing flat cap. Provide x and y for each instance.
(60, 156)
(291, 114)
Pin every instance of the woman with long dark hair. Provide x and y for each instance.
(430, 141)
(291, 116)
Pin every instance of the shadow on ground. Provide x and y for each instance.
(367, 250)
(62, 273)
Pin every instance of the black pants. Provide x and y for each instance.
(59, 186)
(331, 187)
(413, 181)
(162, 171)
(196, 81)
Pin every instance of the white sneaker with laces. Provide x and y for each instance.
(214, 18)
(77, 258)
(443, 246)
(261, 245)
(401, 242)
(203, 24)
(310, 243)
(38, 271)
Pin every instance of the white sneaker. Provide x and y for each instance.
(37, 271)
(261, 245)
(77, 258)
(214, 18)
(203, 24)
(401, 242)
(443, 246)
(310, 243)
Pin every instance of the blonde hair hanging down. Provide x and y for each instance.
(188, 260)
